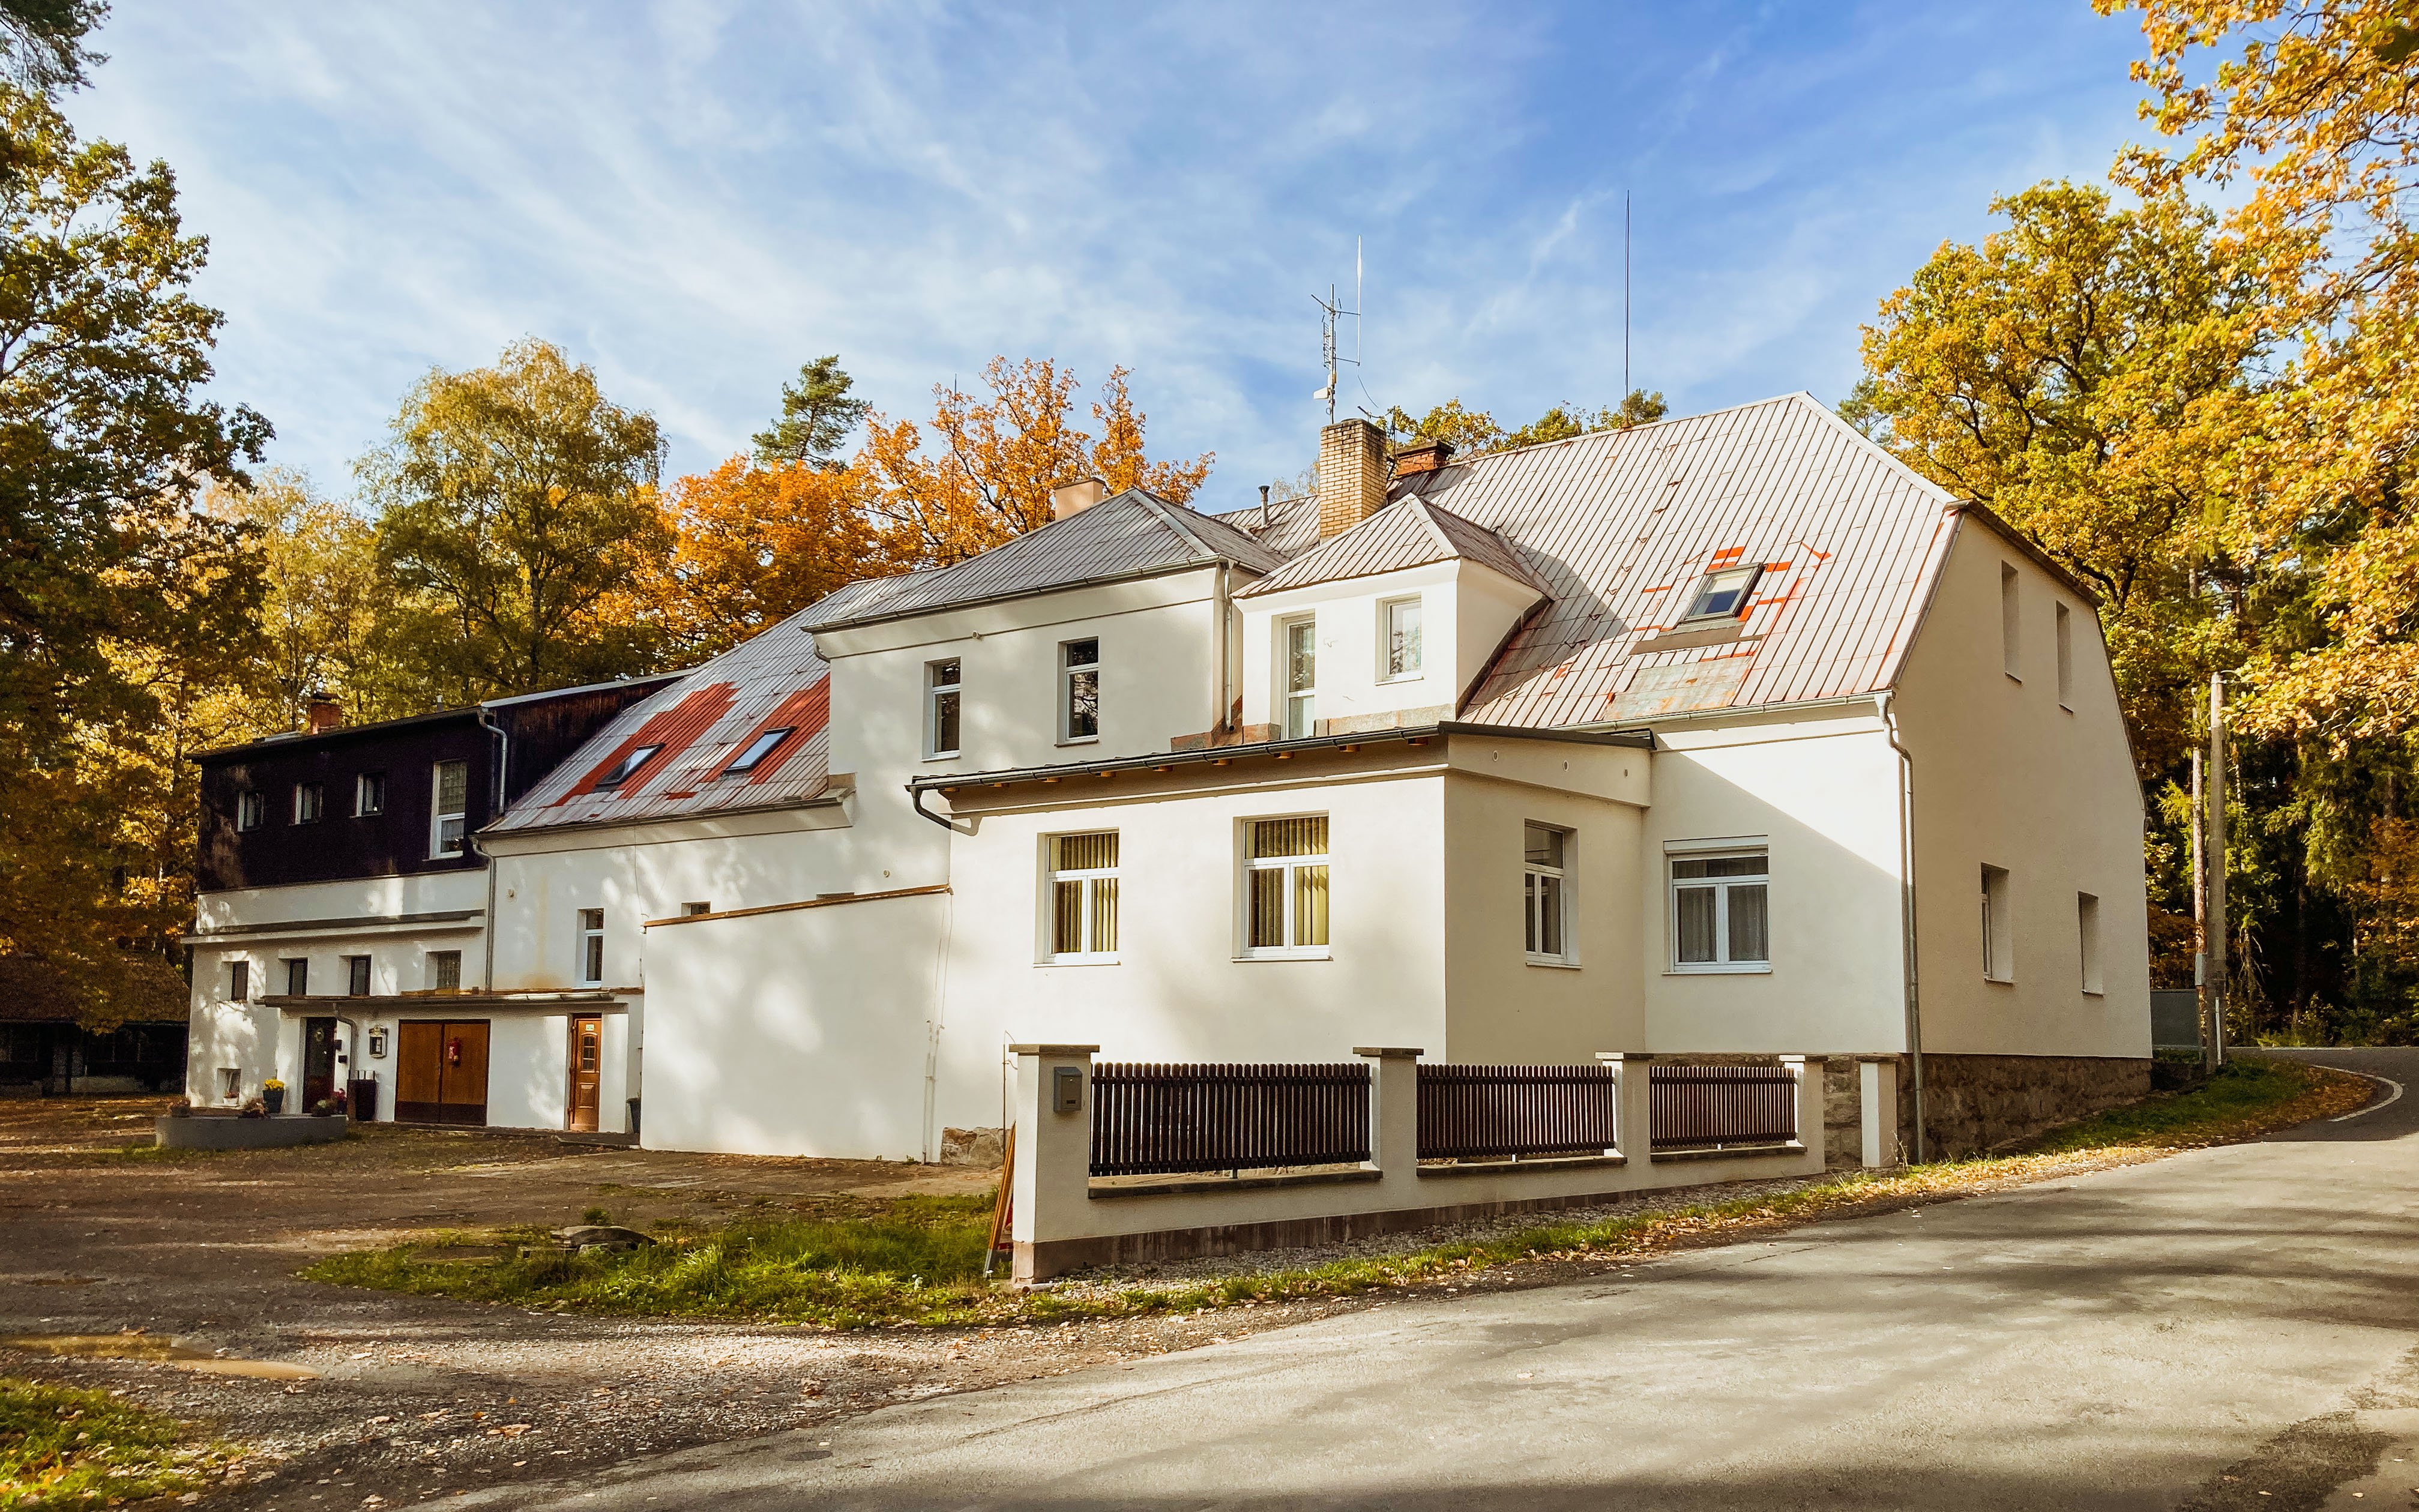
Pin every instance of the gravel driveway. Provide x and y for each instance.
(417, 1398)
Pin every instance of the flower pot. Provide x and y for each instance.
(273, 1099)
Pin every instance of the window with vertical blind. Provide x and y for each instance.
(1284, 887)
(1722, 912)
(1544, 893)
(1084, 897)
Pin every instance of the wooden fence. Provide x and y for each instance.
(1705, 1107)
(1476, 1112)
(1154, 1119)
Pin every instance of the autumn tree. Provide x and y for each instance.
(518, 500)
(817, 413)
(753, 545)
(2086, 372)
(42, 46)
(112, 583)
(1474, 432)
(985, 474)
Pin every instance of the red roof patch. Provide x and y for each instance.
(673, 728)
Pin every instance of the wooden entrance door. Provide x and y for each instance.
(318, 1062)
(587, 1056)
(441, 1072)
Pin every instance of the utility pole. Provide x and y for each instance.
(2200, 918)
(2216, 863)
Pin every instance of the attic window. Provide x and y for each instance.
(1724, 595)
(758, 748)
(628, 766)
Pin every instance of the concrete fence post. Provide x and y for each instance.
(1054, 1147)
(1394, 1108)
(1807, 1072)
(1877, 1109)
(1630, 1103)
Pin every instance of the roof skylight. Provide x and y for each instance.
(628, 766)
(758, 748)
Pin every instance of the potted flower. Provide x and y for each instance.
(273, 1094)
(181, 1108)
(255, 1109)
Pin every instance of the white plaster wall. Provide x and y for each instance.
(426, 893)
(2007, 777)
(1822, 787)
(220, 1033)
(1181, 990)
(1503, 1008)
(805, 1032)
(1465, 610)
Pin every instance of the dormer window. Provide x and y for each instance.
(627, 767)
(1724, 593)
(758, 748)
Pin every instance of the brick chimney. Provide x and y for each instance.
(1352, 475)
(1423, 456)
(1077, 495)
(324, 714)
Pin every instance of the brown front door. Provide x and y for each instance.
(587, 1055)
(441, 1073)
(318, 1062)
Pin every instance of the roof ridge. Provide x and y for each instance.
(1427, 518)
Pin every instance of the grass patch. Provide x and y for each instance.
(63, 1449)
(918, 1261)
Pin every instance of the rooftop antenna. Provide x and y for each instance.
(1625, 294)
(1331, 310)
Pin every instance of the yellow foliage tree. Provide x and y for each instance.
(996, 459)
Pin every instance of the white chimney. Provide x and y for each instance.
(1077, 495)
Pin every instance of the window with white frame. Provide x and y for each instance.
(941, 693)
(1297, 656)
(1721, 911)
(1999, 927)
(1723, 594)
(2010, 622)
(1084, 897)
(1079, 694)
(2086, 926)
(1400, 637)
(2065, 659)
(238, 981)
(251, 810)
(369, 794)
(451, 782)
(1544, 892)
(310, 798)
(1285, 885)
(446, 970)
(592, 946)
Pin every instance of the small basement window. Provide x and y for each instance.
(758, 748)
(1723, 595)
(627, 767)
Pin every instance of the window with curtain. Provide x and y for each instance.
(1546, 891)
(1084, 897)
(1720, 912)
(453, 795)
(1285, 885)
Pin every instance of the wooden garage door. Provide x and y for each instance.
(441, 1073)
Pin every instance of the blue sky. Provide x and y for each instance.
(694, 198)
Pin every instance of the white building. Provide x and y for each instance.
(1725, 734)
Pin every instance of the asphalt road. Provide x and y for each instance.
(2189, 1333)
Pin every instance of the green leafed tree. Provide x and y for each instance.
(817, 413)
(515, 501)
(42, 46)
(1474, 432)
(115, 587)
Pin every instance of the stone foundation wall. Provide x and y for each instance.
(1976, 1104)
(1843, 1129)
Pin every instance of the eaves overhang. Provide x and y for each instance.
(1011, 595)
(1277, 751)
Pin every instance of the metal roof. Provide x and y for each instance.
(1409, 532)
(1130, 535)
(700, 723)
(1286, 526)
(1621, 527)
